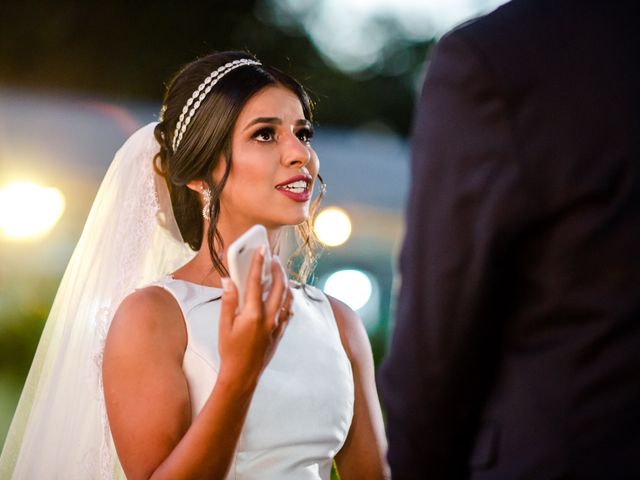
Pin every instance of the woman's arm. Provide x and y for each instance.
(363, 454)
(146, 391)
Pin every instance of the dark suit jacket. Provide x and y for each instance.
(516, 350)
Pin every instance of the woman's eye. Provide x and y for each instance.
(264, 135)
(305, 135)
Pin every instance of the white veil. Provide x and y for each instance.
(131, 238)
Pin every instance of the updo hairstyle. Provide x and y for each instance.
(207, 141)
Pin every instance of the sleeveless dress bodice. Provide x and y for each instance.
(302, 408)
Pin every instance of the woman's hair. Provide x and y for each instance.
(207, 141)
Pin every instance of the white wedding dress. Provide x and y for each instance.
(302, 409)
(303, 406)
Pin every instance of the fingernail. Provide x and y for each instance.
(262, 250)
(226, 283)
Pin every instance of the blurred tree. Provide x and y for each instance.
(129, 49)
(24, 305)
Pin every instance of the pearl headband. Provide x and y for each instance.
(192, 105)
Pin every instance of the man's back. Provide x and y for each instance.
(524, 236)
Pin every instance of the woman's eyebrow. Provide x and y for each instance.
(272, 120)
(275, 121)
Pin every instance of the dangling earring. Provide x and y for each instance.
(323, 186)
(206, 208)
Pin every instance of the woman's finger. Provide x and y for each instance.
(229, 304)
(286, 312)
(253, 293)
(278, 285)
(287, 305)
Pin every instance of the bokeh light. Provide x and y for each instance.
(332, 226)
(353, 287)
(28, 210)
(356, 35)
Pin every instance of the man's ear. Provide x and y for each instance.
(196, 185)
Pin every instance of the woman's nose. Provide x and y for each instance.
(295, 152)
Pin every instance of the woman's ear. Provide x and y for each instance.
(196, 185)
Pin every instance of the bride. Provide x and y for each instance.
(145, 368)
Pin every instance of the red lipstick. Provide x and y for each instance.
(296, 188)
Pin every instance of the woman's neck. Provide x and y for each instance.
(200, 268)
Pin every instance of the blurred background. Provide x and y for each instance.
(77, 78)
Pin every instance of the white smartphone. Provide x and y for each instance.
(240, 255)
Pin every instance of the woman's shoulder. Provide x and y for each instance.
(148, 315)
(352, 332)
(151, 301)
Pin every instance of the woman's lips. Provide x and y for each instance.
(298, 197)
(296, 188)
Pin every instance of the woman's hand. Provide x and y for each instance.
(248, 339)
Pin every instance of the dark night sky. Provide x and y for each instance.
(127, 50)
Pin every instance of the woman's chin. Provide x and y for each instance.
(289, 221)
(300, 219)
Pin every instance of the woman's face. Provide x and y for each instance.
(273, 166)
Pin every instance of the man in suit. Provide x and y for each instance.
(516, 349)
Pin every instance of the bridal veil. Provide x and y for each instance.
(60, 428)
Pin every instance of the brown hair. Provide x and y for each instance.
(208, 139)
